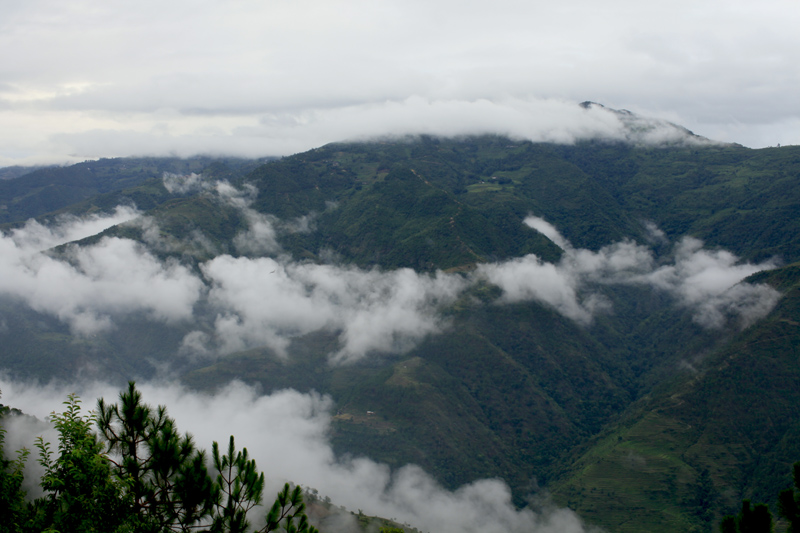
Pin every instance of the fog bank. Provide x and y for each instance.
(269, 298)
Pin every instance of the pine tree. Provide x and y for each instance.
(288, 512)
(166, 475)
(139, 474)
(239, 484)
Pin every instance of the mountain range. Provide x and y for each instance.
(613, 322)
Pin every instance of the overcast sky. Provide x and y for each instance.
(81, 79)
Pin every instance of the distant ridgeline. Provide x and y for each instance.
(617, 323)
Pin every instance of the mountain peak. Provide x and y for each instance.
(641, 130)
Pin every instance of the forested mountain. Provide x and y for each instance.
(49, 189)
(616, 323)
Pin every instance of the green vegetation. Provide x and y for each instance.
(642, 421)
(51, 189)
(691, 450)
(12, 497)
(137, 473)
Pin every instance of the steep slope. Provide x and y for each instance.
(505, 390)
(740, 199)
(596, 193)
(724, 430)
(458, 405)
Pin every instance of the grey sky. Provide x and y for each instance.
(82, 79)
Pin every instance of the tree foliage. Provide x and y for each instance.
(138, 473)
(167, 476)
(239, 487)
(288, 513)
(758, 519)
(81, 494)
(12, 502)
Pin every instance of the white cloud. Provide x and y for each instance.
(287, 434)
(529, 278)
(257, 301)
(654, 233)
(269, 301)
(548, 230)
(266, 301)
(565, 285)
(90, 283)
(301, 224)
(260, 237)
(34, 237)
(184, 183)
(708, 282)
(290, 131)
(195, 242)
(698, 273)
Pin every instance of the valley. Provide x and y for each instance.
(615, 324)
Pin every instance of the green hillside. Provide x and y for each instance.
(740, 199)
(640, 420)
(694, 448)
(50, 189)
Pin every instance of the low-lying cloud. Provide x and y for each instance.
(35, 237)
(89, 285)
(266, 298)
(290, 131)
(184, 183)
(266, 301)
(86, 285)
(710, 283)
(563, 286)
(287, 434)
